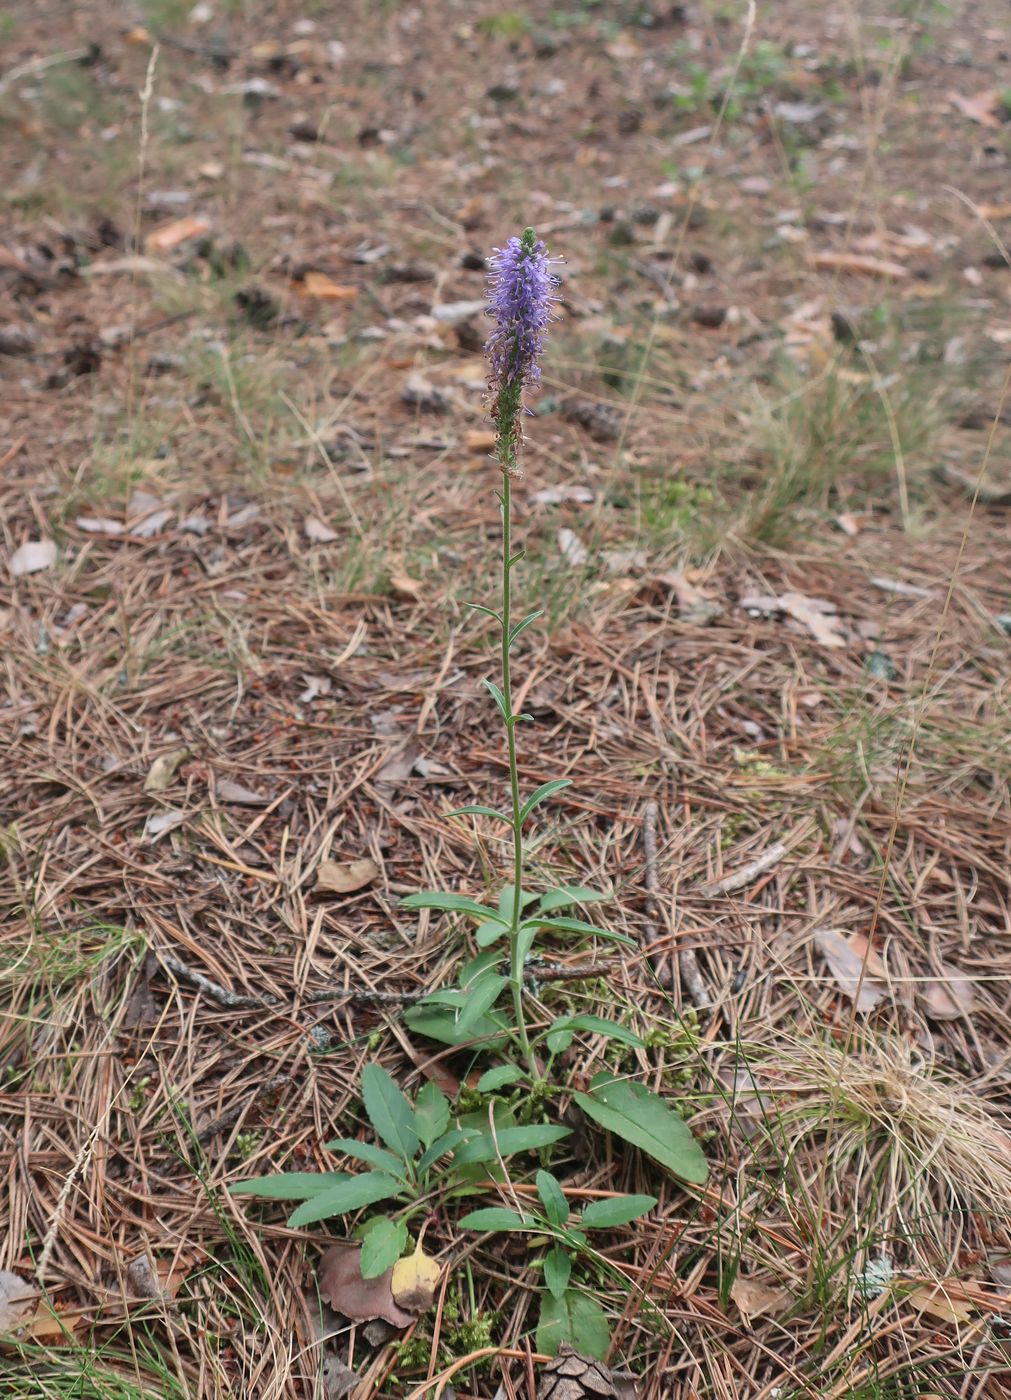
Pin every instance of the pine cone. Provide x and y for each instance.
(574, 1377)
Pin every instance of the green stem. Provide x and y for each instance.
(515, 970)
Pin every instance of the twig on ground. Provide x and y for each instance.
(739, 878)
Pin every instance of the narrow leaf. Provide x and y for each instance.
(489, 612)
(578, 926)
(443, 899)
(389, 1112)
(557, 1268)
(382, 1246)
(510, 1140)
(567, 895)
(441, 1026)
(637, 1115)
(480, 999)
(489, 932)
(349, 1195)
(367, 1152)
(556, 1207)
(431, 1113)
(288, 1186)
(494, 1218)
(442, 1145)
(596, 1024)
(498, 697)
(476, 810)
(603, 1215)
(526, 622)
(542, 794)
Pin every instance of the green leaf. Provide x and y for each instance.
(542, 794)
(442, 1145)
(510, 1140)
(389, 1112)
(505, 902)
(349, 1195)
(498, 697)
(489, 1032)
(288, 1186)
(603, 1215)
(596, 1024)
(480, 607)
(481, 998)
(576, 1319)
(473, 969)
(444, 899)
(525, 940)
(494, 1218)
(499, 1077)
(566, 895)
(556, 1207)
(490, 932)
(524, 624)
(476, 810)
(367, 1152)
(382, 1246)
(579, 926)
(636, 1114)
(431, 1113)
(557, 1268)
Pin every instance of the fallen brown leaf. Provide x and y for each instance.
(948, 997)
(945, 1301)
(32, 557)
(754, 1298)
(168, 236)
(317, 532)
(406, 587)
(361, 1299)
(981, 107)
(324, 288)
(845, 957)
(858, 262)
(344, 877)
(27, 1316)
(229, 791)
(479, 439)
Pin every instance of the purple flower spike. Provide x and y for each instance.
(521, 294)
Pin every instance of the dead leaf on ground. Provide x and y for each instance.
(100, 526)
(229, 791)
(346, 876)
(164, 769)
(948, 997)
(415, 1281)
(361, 1299)
(169, 236)
(818, 615)
(479, 439)
(556, 495)
(946, 1301)
(846, 960)
(324, 288)
(572, 547)
(32, 557)
(859, 263)
(26, 1315)
(406, 587)
(159, 824)
(981, 107)
(757, 1299)
(317, 532)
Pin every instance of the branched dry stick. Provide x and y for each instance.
(688, 965)
(363, 996)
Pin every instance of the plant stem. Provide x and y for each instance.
(515, 970)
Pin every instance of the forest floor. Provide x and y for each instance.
(246, 494)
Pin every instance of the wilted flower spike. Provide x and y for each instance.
(521, 293)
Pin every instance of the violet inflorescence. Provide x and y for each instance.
(521, 295)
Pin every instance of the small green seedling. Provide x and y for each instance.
(424, 1154)
(567, 1315)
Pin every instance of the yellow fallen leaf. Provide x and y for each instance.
(344, 877)
(415, 1280)
(324, 288)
